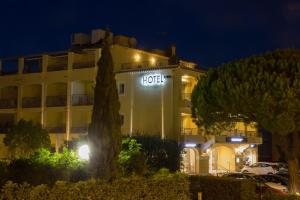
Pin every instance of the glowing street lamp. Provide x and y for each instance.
(84, 152)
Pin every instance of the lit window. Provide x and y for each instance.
(121, 88)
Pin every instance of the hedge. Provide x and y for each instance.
(158, 187)
(167, 188)
(221, 188)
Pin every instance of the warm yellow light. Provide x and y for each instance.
(152, 61)
(185, 79)
(137, 57)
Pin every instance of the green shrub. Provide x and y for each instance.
(133, 188)
(44, 167)
(216, 188)
(131, 158)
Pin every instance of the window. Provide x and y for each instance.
(121, 88)
(122, 119)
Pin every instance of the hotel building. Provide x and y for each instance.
(56, 90)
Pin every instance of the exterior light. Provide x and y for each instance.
(252, 145)
(237, 160)
(84, 152)
(191, 145)
(137, 57)
(234, 139)
(152, 60)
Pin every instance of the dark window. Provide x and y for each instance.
(121, 88)
(122, 119)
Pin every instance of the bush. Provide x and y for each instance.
(131, 158)
(160, 153)
(133, 188)
(215, 188)
(44, 167)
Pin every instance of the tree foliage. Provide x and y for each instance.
(131, 158)
(25, 137)
(105, 130)
(264, 89)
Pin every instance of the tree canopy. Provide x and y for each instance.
(264, 89)
(25, 137)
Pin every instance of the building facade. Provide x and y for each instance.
(57, 89)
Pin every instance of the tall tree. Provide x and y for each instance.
(264, 89)
(25, 137)
(105, 130)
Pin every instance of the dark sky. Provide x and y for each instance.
(208, 32)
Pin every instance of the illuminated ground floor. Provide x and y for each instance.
(218, 158)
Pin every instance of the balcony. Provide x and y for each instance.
(4, 127)
(32, 65)
(56, 129)
(53, 101)
(31, 102)
(57, 67)
(82, 99)
(80, 65)
(81, 129)
(8, 103)
(9, 67)
(146, 64)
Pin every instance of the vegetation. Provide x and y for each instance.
(25, 137)
(105, 130)
(44, 167)
(160, 153)
(131, 158)
(162, 186)
(264, 89)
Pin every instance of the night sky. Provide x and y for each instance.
(207, 32)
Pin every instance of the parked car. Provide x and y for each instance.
(264, 183)
(261, 168)
(278, 184)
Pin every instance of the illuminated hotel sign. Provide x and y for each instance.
(153, 79)
(236, 139)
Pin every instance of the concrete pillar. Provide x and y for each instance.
(19, 102)
(70, 60)
(43, 104)
(20, 65)
(45, 60)
(69, 105)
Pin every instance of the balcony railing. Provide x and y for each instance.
(82, 99)
(146, 64)
(242, 133)
(57, 67)
(80, 65)
(32, 65)
(83, 129)
(57, 129)
(53, 101)
(31, 102)
(8, 103)
(189, 131)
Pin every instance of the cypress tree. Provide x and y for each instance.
(105, 130)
